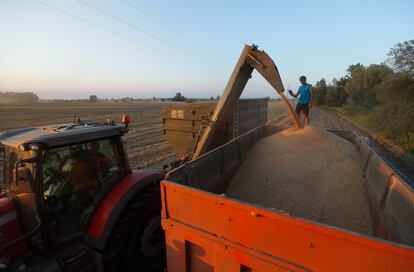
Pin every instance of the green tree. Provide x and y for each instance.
(354, 68)
(376, 74)
(18, 98)
(398, 88)
(93, 98)
(354, 80)
(395, 121)
(361, 86)
(380, 97)
(401, 57)
(320, 92)
(178, 97)
(335, 97)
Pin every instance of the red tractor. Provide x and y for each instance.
(70, 202)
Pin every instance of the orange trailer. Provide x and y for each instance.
(207, 231)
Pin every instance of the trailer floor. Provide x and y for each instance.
(309, 173)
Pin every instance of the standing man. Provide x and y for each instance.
(305, 94)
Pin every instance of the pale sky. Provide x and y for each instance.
(67, 49)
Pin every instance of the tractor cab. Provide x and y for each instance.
(52, 179)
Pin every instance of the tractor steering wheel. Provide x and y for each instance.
(54, 171)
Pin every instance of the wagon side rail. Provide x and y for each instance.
(215, 233)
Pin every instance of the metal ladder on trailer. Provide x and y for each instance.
(236, 120)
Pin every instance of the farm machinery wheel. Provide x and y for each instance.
(137, 241)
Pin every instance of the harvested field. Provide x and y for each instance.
(309, 173)
(145, 142)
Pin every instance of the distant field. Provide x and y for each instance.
(145, 142)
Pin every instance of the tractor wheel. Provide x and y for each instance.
(137, 241)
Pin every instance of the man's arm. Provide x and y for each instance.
(294, 95)
(312, 96)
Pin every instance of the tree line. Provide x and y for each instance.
(380, 96)
(18, 98)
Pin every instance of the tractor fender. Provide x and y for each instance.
(110, 208)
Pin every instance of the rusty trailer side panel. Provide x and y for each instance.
(208, 232)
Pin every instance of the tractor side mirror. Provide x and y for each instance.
(28, 174)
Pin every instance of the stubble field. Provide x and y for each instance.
(146, 144)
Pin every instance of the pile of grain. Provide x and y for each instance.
(310, 173)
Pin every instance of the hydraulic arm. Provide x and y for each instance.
(250, 59)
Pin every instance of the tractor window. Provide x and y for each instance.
(75, 177)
